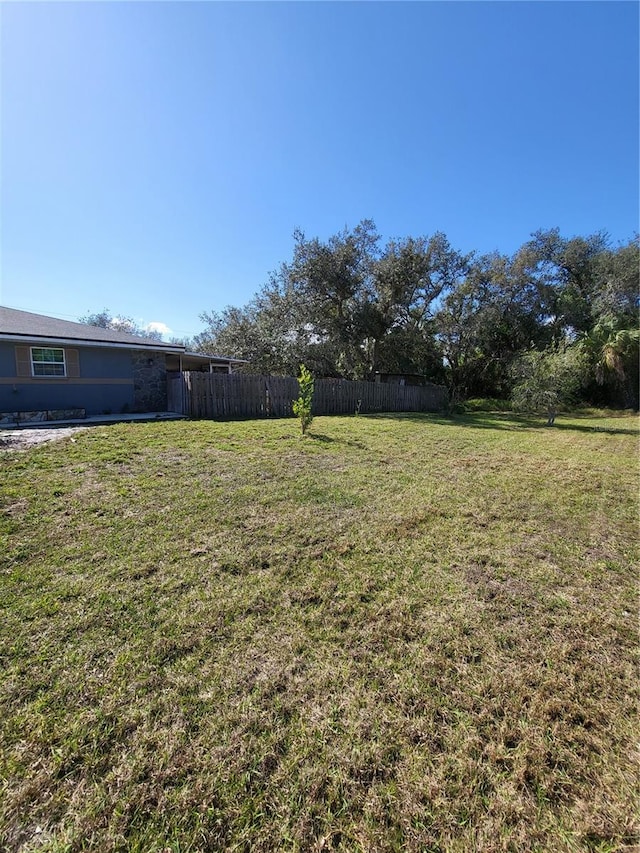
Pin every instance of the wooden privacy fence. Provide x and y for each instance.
(222, 395)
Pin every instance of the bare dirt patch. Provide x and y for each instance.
(23, 439)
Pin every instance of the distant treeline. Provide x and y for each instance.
(351, 307)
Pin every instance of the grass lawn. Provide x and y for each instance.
(401, 633)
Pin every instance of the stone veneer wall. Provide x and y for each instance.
(41, 416)
(149, 382)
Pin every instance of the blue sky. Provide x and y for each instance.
(157, 156)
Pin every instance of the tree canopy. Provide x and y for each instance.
(106, 320)
(352, 306)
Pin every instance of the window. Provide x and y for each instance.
(48, 361)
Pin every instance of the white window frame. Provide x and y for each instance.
(62, 362)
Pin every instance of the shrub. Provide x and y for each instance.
(547, 379)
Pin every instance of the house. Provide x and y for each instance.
(52, 369)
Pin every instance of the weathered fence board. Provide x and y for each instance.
(222, 395)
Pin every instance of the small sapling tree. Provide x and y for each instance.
(302, 406)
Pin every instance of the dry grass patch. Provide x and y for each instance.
(398, 634)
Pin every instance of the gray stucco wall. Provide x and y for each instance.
(111, 381)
